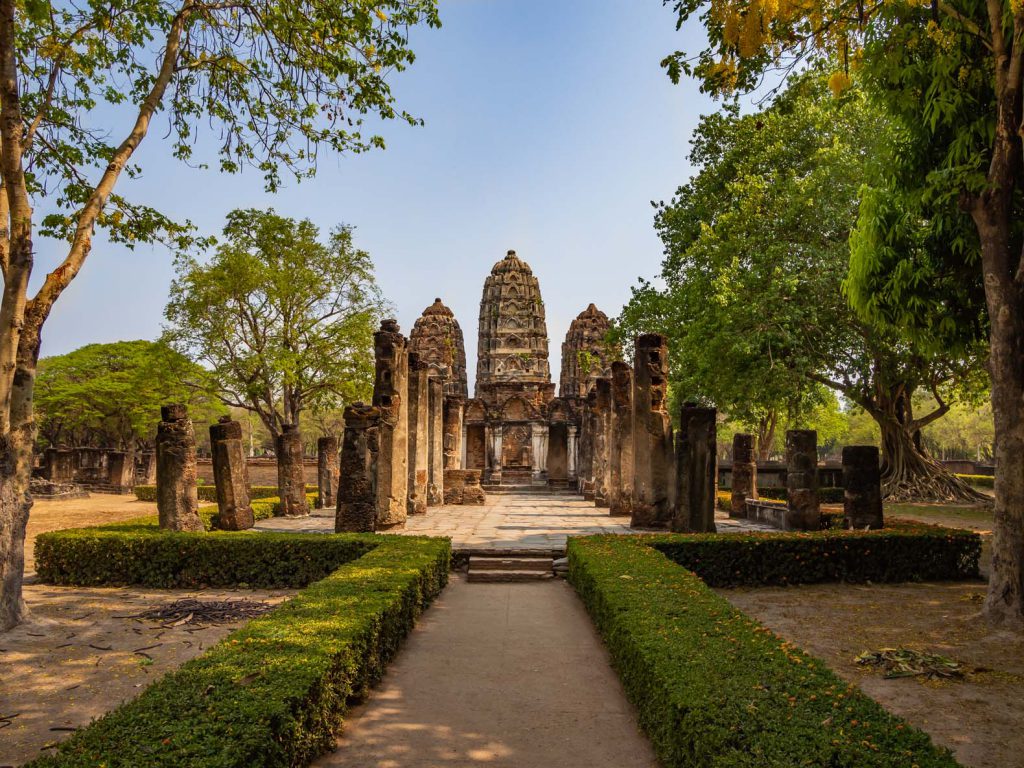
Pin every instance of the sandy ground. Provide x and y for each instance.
(978, 718)
(75, 659)
(99, 508)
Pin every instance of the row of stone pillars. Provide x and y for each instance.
(401, 454)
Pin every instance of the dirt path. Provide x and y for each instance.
(75, 660)
(77, 513)
(509, 675)
(978, 718)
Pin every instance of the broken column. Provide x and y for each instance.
(291, 478)
(326, 472)
(121, 471)
(435, 439)
(652, 447)
(601, 424)
(177, 500)
(462, 486)
(389, 395)
(356, 511)
(620, 458)
(802, 511)
(418, 438)
(696, 470)
(453, 407)
(744, 474)
(230, 476)
(862, 481)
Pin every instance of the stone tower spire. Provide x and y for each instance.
(437, 339)
(513, 340)
(586, 356)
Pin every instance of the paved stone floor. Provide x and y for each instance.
(505, 521)
(502, 675)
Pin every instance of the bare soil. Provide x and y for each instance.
(978, 717)
(75, 659)
(98, 509)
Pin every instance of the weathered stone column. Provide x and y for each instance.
(230, 475)
(539, 452)
(585, 468)
(652, 446)
(291, 477)
(419, 439)
(435, 440)
(602, 449)
(802, 513)
(696, 470)
(744, 474)
(462, 486)
(326, 472)
(177, 500)
(572, 447)
(389, 395)
(357, 486)
(620, 471)
(121, 469)
(862, 479)
(453, 407)
(494, 453)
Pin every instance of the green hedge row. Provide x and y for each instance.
(829, 520)
(979, 481)
(904, 552)
(713, 687)
(262, 509)
(274, 692)
(209, 492)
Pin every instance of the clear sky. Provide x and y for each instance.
(550, 128)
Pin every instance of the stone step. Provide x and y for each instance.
(477, 563)
(504, 577)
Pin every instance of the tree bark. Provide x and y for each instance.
(15, 503)
(290, 472)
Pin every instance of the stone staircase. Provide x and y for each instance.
(516, 489)
(503, 568)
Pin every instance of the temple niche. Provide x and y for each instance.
(586, 354)
(436, 339)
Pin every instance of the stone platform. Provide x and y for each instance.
(541, 522)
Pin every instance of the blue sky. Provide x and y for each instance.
(549, 129)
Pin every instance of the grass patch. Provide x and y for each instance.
(967, 512)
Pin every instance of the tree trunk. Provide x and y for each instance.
(15, 503)
(766, 436)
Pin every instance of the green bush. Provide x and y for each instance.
(274, 692)
(979, 481)
(209, 492)
(896, 554)
(138, 553)
(262, 509)
(713, 687)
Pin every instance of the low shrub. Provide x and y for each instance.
(713, 687)
(262, 509)
(825, 496)
(896, 554)
(209, 492)
(274, 692)
(979, 481)
(140, 554)
(723, 502)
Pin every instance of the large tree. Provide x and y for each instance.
(283, 321)
(80, 87)
(756, 253)
(953, 70)
(109, 395)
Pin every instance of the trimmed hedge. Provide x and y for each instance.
(139, 554)
(979, 481)
(895, 554)
(713, 687)
(209, 492)
(274, 692)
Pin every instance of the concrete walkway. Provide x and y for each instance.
(498, 675)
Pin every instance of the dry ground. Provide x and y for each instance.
(978, 718)
(75, 659)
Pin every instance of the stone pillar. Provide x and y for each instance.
(357, 486)
(602, 450)
(121, 469)
(177, 500)
(462, 486)
(586, 465)
(418, 437)
(744, 474)
(652, 446)
(389, 396)
(494, 453)
(802, 513)
(326, 472)
(696, 470)
(291, 478)
(539, 446)
(453, 431)
(230, 475)
(620, 459)
(862, 480)
(435, 440)
(572, 446)
(146, 474)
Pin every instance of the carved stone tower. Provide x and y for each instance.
(586, 356)
(437, 339)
